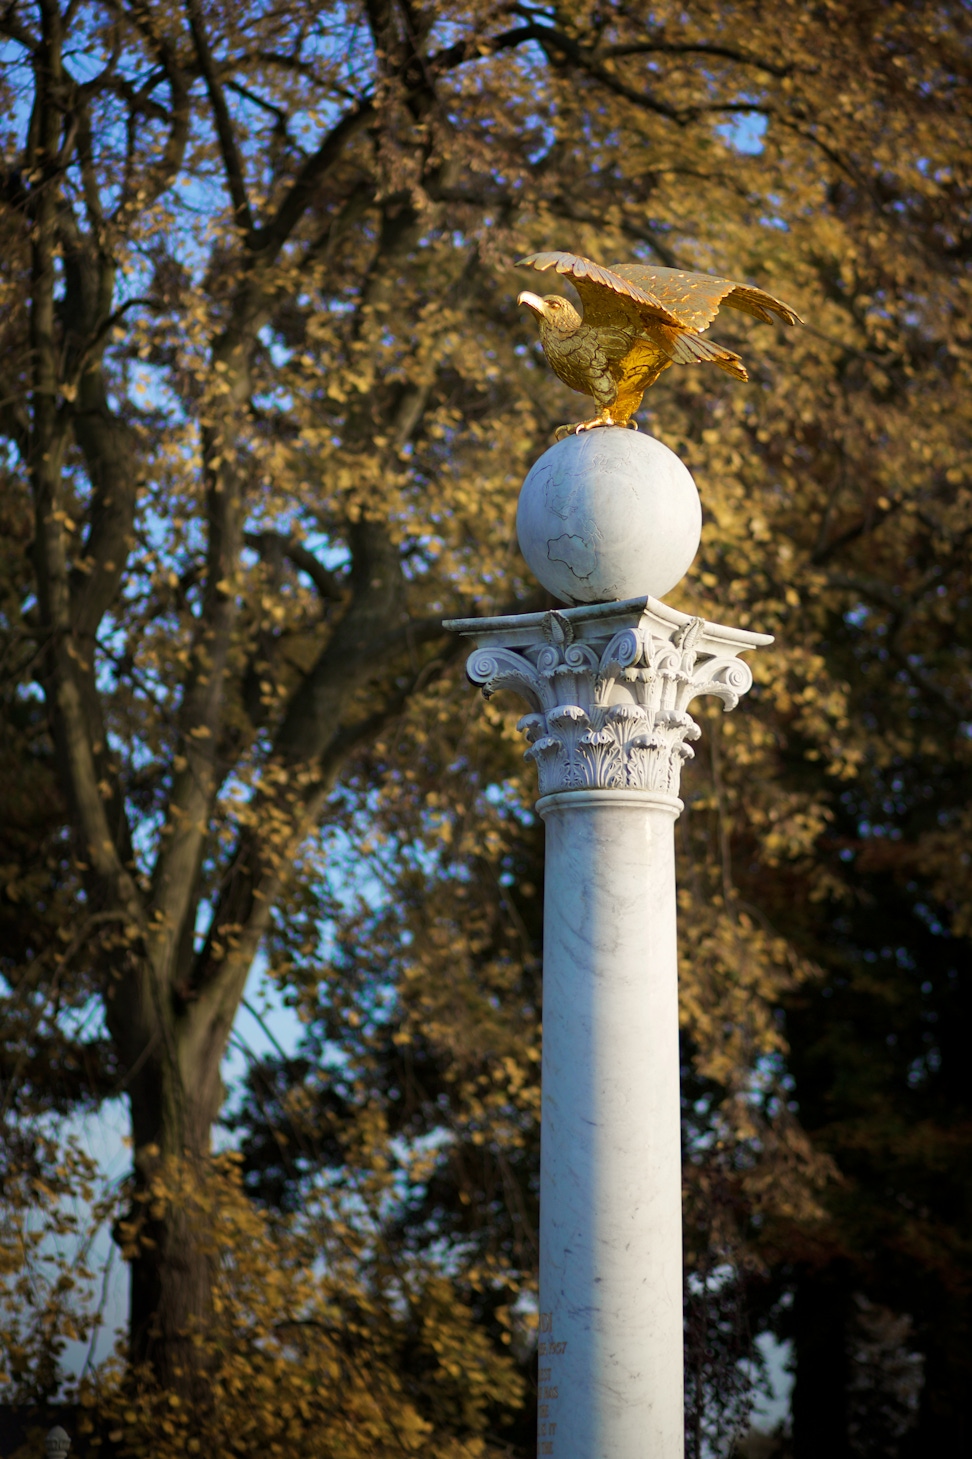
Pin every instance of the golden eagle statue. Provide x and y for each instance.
(637, 321)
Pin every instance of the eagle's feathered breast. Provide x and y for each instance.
(588, 360)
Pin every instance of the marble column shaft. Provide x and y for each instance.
(610, 1185)
(608, 687)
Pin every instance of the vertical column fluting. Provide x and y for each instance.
(610, 1339)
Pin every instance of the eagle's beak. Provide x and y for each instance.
(532, 301)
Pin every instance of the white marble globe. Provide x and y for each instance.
(609, 514)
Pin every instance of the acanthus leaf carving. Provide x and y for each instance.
(609, 689)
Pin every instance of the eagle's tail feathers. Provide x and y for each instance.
(761, 305)
(692, 349)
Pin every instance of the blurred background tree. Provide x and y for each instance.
(266, 402)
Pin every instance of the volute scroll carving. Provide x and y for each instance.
(608, 688)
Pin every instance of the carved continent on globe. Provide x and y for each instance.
(609, 514)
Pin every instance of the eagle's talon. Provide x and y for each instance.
(562, 432)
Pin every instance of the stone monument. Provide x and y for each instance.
(609, 520)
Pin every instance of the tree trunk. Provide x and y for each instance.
(819, 1327)
(945, 1413)
(171, 1298)
(166, 1236)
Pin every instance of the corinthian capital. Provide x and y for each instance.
(609, 685)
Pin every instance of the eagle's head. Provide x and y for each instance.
(554, 311)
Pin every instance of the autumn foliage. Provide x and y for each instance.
(266, 402)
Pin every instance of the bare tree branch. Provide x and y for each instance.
(232, 161)
(327, 583)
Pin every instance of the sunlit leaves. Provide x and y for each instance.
(290, 376)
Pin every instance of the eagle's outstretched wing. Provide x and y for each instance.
(695, 298)
(607, 297)
(661, 295)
